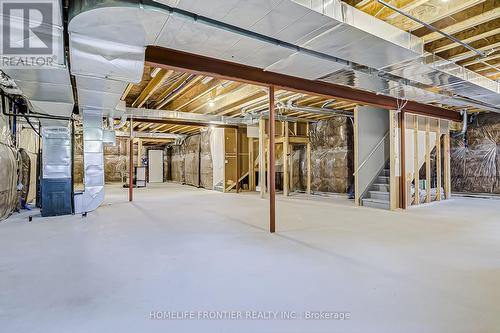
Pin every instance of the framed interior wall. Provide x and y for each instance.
(427, 158)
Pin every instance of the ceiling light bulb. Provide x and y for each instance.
(211, 103)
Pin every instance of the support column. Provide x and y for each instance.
(416, 165)
(402, 160)
(428, 159)
(139, 152)
(237, 161)
(262, 160)
(438, 160)
(290, 177)
(308, 153)
(251, 165)
(267, 162)
(394, 186)
(131, 166)
(447, 173)
(272, 175)
(285, 160)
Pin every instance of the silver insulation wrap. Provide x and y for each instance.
(93, 163)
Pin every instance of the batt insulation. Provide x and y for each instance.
(476, 168)
(332, 156)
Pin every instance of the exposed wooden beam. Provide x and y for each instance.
(433, 13)
(194, 94)
(477, 61)
(127, 91)
(178, 91)
(495, 77)
(463, 25)
(467, 41)
(173, 59)
(469, 54)
(171, 88)
(151, 87)
(408, 7)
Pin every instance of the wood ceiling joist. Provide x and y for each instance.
(469, 40)
(477, 61)
(179, 90)
(483, 44)
(151, 87)
(486, 65)
(438, 12)
(494, 76)
(194, 94)
(407, 8)
(202, 106)
(171, 88)
(463, 25)
(127, 91)
(470, 54)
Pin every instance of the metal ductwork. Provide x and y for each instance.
(93, 163)
(277, 36)
(307, 39)
(44, 81)
(464, 125)
(153, 114)
(39, 73)
(144, 135)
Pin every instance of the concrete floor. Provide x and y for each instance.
(435, 268)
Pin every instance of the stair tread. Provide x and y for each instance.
(378, 192)
(380, 184)
(376, 200)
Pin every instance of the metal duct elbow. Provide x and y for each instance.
(93, 161)
(123, 121)
(464, 125)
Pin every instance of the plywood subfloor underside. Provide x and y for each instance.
(434, 268)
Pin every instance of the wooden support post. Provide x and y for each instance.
(427, 160)
(393, 154)
(447, 173)
(262, 160)
(402, 160)
(416, 165)
(438, 160)
(285, 159)
(251, 165)
(272, 193)
(237, 160)
(267, 163)
(308, 157)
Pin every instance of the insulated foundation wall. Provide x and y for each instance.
(115, 160)
(332, 153)
(476, 168)
(191, 162)
(8, 171)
